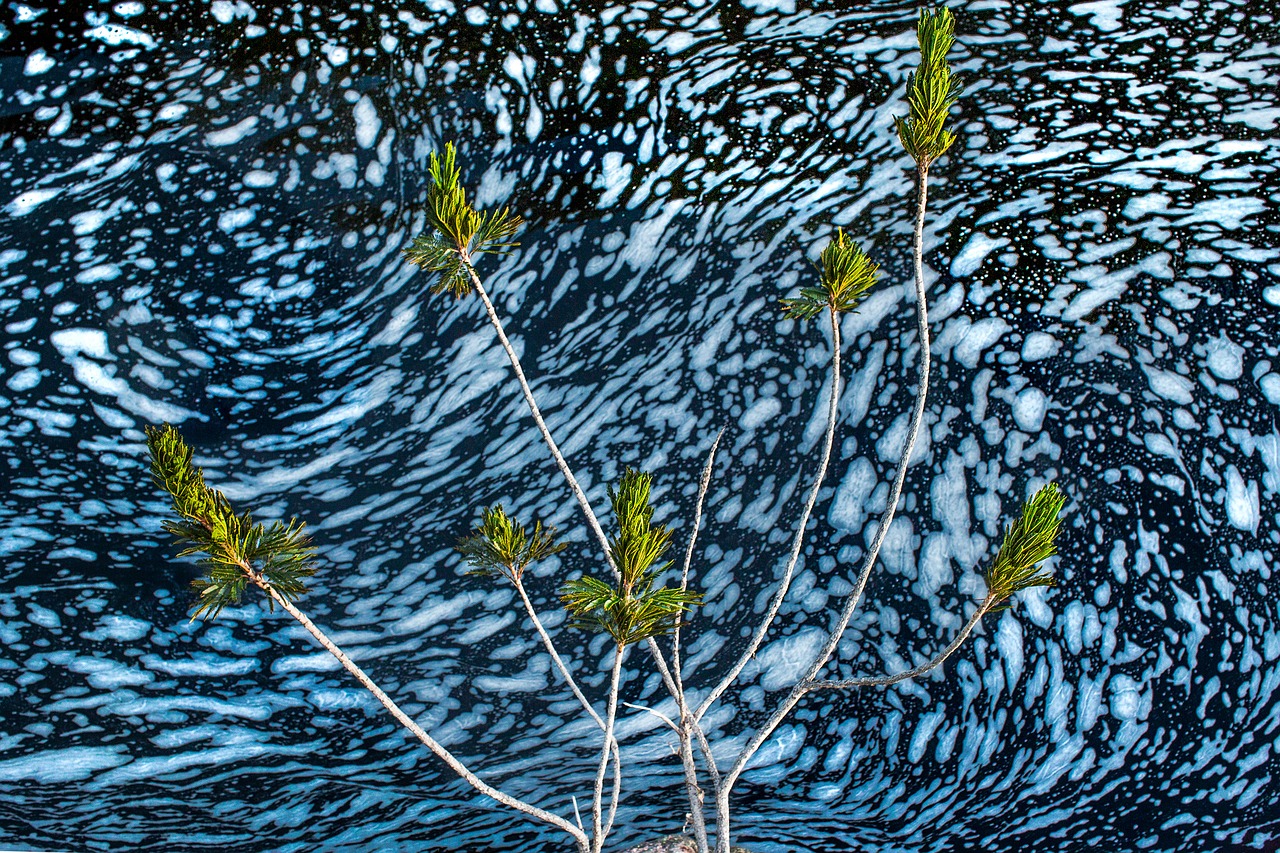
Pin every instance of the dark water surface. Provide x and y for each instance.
(203, 210)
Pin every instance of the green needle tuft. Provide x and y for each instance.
(1028, 542)
(458, 233)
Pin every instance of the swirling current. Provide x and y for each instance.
(204, 206)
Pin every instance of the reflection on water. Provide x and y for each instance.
(203, 212)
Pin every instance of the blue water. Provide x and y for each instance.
(203, 210)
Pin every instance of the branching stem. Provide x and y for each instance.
(803, 686)
(798, 542)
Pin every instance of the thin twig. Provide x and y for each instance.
(886, 680)
(405, 720)
(851, 602)
(797, 543)
(703, 483)
(661, 716)
(561, 463)
(577, 692)
(592, 521)
(597, 796)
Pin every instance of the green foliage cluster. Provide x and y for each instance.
(846, 274)
(1028, 542)
(932, 90)
(631, 609)
(500, 546)
(457, 232)
(233, 550)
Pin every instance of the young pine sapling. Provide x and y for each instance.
(629, 606)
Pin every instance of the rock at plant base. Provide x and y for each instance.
(672, 844)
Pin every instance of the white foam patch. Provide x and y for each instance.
(1029, 408)
(783, 661)
(77, 346)
(29, 201)
(1170, 386)
(100, 272)
(367, 122)
(38, 63)
(1224, 357)
(1039, 345)
(118, 34)
(1242, 505)
(231, 135)
(230, 221)
(258, 179)
(58, 766)
(970, 258)
(122, 629)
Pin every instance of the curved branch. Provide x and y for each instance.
(895, 492)
(592, 521)
(798, 543)
(577, 692)
(886, 680)
(405, 720)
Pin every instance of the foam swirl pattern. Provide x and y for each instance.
(203, 209)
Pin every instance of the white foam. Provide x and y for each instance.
(1242, 505)
(783, 661)
(118, 34)
(980, 336)
(122, 629)
(970, 258)
(24, 380)
(74, 344)
(100, 272)
(367, 122)
(225, 12)
(257, 178)
(1224, 357)
(38, 63)
(1029, 408)
(29, 201)
(230, 221)
(1170, 386)
(1040, 345)
(58, 766)
(232, 135)
(1105, 15)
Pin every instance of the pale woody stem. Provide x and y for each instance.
(444, 755)
(563, 465)
(886, 680)
(577, 692)
(688, 725)
(597, 797)
(798, 542)
(895, 491)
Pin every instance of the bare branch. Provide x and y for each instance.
(798, 542)
(895, 492)
(703, 483)
(661, 716)
(405, 720)
(886, 680)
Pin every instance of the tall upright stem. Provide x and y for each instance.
(804, 685)
(561, 463)
(592, 521)
(598, 836)
(797, 542)
(405, 720)
(688, 725)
